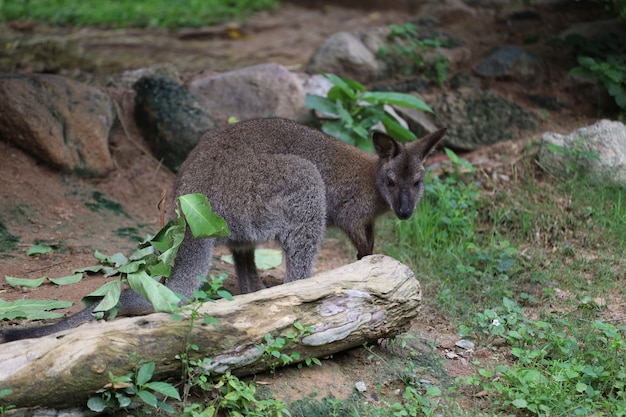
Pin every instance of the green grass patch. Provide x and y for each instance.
(132, 13)
(535, 263)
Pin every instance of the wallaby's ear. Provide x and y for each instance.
(385, 145)
(427, 143)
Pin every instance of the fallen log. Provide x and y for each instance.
(373, 298)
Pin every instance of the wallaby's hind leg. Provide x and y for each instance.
(302, 241)
(249, 280)
(193, 259)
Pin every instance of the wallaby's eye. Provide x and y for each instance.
(391, 183)
(417, 184)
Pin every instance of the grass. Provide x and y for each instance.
(536, 265)
(132, 13)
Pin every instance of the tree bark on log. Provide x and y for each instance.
(373, 298)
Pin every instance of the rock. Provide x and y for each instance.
(447, 11)
(171, 118)
(477, 118)
(465, 344)
(510, 62)
(62, 122)
(129, 78)
(419, 122)
(345, 54)
(360, 386)
(252, 92)
(599, 150)
(598, 31)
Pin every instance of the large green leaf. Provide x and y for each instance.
(38, 249)
(203, 222)
(31, 309)
(145, 373)
(321, 104)
(396, 130)
(348, 87)
(162, 298)
(24, 282)
(67, 280)
(164, 388)
(169, 239)
(109, 293)
(396, 99)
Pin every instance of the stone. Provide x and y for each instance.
(477, 118)
(130, 77)
(344, 54)
(447, 11)
(171, 119)
(598, 150)
(252, 92)
(64, 123)
(510, 62)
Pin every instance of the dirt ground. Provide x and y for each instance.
(77, 216)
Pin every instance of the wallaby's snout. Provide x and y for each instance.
(404, 211)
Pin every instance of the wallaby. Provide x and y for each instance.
(276, 180)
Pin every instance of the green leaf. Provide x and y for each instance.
(25, 282)
(520, 403)
(202, 221)
(396, 130)
(96, 404)
(168, 241)
(67, 280)
(132, 266)
(160, 269)
(321, 104)
(339, 97)
(348, 87)
(38, 249)
(397, 99)
(581, 387)
(164, 388)
(142, 253)
(148, 398)
(31, 309)
(109, 293)
(162, 298)
(145, 373)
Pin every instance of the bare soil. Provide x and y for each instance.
(77, 216)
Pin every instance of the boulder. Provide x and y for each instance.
(62, 122)
(252, 92)
(171, 119)
(477, 118)
(598, 150)
(345, 54)
(510, 62)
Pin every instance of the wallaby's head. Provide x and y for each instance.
(400, 174)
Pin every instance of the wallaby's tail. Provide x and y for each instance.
(83, 316)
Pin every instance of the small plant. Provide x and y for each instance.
(193, 370)
(274, 348)
(609, 73)
(5, 408)
(129, 391)
(239, 398)
(354, 111)
(409, 54)
(153, 261)
(561, 366)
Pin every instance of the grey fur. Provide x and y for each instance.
(277, 180)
